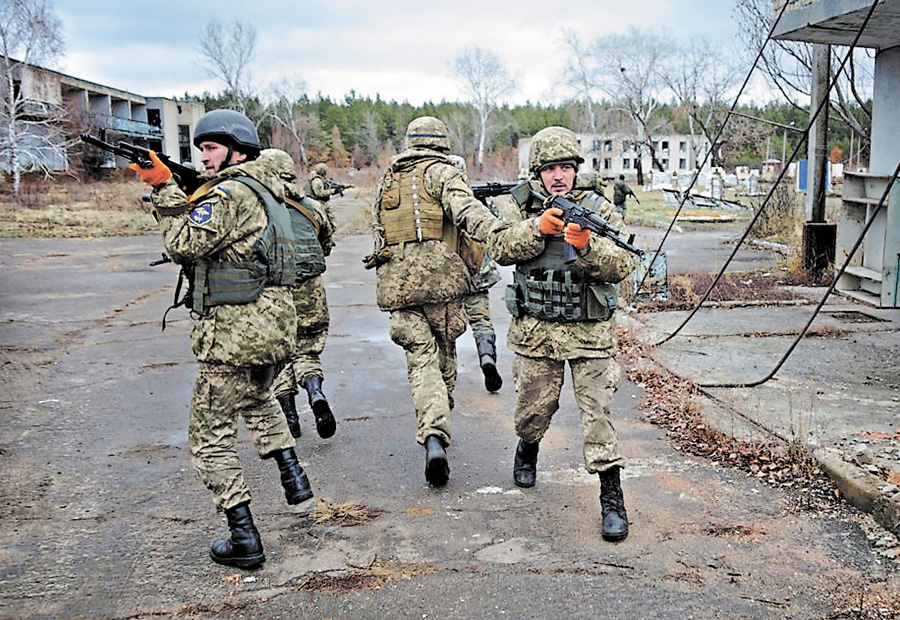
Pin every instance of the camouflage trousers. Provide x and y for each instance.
(428, 336)
(539, 383)
(478, 310)
(313, 319)
(221, 394)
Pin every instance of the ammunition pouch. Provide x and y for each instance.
(552, 295)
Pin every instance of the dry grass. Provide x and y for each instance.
(345, 514)
(370, 577)
(686, 290)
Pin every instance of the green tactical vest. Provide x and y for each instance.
(549, 289)
(407, 211)
(273, 261)
(308, 252)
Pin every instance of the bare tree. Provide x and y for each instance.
(486, 82)
(787, 66)
(580, 76)
(227, 53)
(286, 112)
(701, 77)
(31, 136)
(627, 68)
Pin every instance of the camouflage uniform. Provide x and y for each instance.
(316, 187)
(621, 192)
(238, 346)
(421, 280)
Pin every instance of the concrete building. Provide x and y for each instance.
(162, 124)
(612, 155)
(874, 271)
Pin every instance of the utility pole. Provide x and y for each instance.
(818, 236)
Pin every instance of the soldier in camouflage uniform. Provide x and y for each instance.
(245, 317)
(563, 313)
(421, 203)
(310, 223)
(316, 187)
(477, 304)
(621, 192)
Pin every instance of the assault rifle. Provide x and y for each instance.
(588, 220)
(188, 178)
(486, 190)
(337, 188)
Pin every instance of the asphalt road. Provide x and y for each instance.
(103, 516)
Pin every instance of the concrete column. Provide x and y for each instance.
(818, 135)
(885, 148)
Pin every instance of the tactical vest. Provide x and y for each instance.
(547, 288)
(308, 252)
(408, 212)
(217, 282)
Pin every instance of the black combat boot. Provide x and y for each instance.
(325, 424)
(244, 549)
(437, 469)
(293, 478)
(290, 413)
(487, 358)
(525, 464)
(612, 505)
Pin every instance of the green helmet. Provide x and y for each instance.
(321, 169)
(552, 145)
(229, 128)
(428, 132)
(280, 162)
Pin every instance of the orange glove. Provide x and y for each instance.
(158, 173)
(550, 222)
(576, 236)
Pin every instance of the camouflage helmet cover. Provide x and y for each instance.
(553, 144)
(281, 163)
(428, 132)
(321, 169)
(227, 127)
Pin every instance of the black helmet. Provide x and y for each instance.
(229, 128)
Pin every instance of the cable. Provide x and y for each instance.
(712, 146)
(815, 313)
(821, 106)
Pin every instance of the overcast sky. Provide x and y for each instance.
(401, 50)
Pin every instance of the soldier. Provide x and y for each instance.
(591, 181)
(563, 313)
(421, 202)
(317, 187)
(477, 304)
(621, 192)
(313, 232)
(245, 318)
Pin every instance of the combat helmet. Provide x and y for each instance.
(551, 145)
(230, 128)
(427, 132)
(281, 163)
(321, 169)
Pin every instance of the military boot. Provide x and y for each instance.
(612, 505)
(293, 478)
(437, 469)
(487, 358)
(244, 549)
(290, 413)
(525, 464)
(325, 424)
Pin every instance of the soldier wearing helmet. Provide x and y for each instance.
(234, 240)
(422, 201)
(313, 234)
(318, 187)
(563, 313)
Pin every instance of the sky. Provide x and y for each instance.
(399, 50)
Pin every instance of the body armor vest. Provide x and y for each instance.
(308, 252)
(408, 212)
(217, 282)
(549, 289)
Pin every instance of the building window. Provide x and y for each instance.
(665, 164)
(682, 146)
(153, 117)
(626, 163)
(682, 164)
(595, 163)
(596, 145)
(665, 146)
(607, 164)
(607, 146)
(184, 143)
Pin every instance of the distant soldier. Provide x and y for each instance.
(621, 192)
(421, 203)
(591, 181)
(477, 304)
(313, 231)
(319, 188)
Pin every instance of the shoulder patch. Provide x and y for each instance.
(220, 191)
(202, 213)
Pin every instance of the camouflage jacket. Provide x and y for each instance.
(521, 241)
(417, 273)
(222, 221)
(316, 186)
